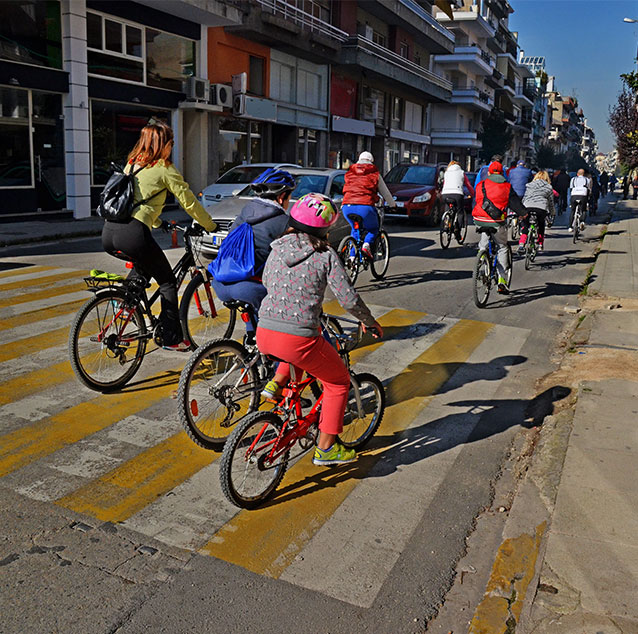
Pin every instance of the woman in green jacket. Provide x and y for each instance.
(152, 152)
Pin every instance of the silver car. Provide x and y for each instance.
(233, 181)
(322, 180)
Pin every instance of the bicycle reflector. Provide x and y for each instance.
(129, 265)
(245, 317)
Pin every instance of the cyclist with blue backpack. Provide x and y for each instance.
(244, 251)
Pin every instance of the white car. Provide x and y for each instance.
(234, 180)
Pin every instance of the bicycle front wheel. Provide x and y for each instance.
(481, 279)
(348, 251)
(198, 313)
(381, 255)
(217, 387)
(359, 425)
(445, 232)
(107, 342)
(247, 474)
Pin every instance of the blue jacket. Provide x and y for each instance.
(519, 177)
(482, 173)
(269, 221)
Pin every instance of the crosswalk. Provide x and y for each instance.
(124, 458)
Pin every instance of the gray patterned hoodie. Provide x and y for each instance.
(296, 277)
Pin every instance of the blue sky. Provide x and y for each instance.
(586, 46)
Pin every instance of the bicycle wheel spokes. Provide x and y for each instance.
(359, 424)
(381, 255)
(349, 253)
(107, 342)
(445, 232)
(217, 387)
(247, 475)
(481, 279)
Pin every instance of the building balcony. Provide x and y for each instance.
(471, 20)
(495, 80)
(455, 137)
(385, 64)
(521, 98)
(473, 97)
(472, 57)
(509, 116)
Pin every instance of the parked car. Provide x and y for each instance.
(416, 187)
(322, 180)
(234, 180)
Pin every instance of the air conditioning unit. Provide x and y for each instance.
(239, 105)
(197, 89)
(221, 95)
(370, 109)
(365, 30)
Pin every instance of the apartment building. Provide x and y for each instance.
(589, 145)
(541, 113)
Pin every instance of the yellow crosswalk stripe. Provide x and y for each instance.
(25, 269)
(42, 314)
(41, 281)
(115, 496)
(31, 344)
(36, 381)
(43, 294)
(308, 496)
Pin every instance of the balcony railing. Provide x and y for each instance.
(435, 131)
(305, 20)
(356, 41)
(488, 59)
(418, 10)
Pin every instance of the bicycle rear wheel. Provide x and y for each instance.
(358, 429)
(445, 232)
(107, 342)
(481, 279)
(247, 477)
(576, 227)
(348, 251)
(530, 248)
(461, 234)
(381, 255)
(196, 311)
(217, 387)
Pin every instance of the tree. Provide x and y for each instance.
(575, 161)
(547, 157)
(496, 135)
(623, 119)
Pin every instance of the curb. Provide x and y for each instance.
(50, 238)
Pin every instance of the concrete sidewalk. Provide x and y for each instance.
(18, 233)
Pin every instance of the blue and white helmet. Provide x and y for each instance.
(274, 181)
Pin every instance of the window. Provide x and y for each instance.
(413, 117)
(404, 49)
(397, 112)
(307, 147)
(15, 150)
(308, 89)
(416, 174)
(170, 59)
(256, 75)
(30, 32)
(336, 188)
(379, 38)
(281, 81)
(113, 36)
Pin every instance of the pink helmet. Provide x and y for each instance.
(313, 214)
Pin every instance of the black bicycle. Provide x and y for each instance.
(485, 268)
(109, 335)
(578, 224)
(453, 222)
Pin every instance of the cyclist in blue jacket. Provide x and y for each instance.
(519, 177)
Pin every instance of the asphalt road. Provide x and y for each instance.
(371, 548)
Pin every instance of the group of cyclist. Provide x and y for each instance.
(293, 263)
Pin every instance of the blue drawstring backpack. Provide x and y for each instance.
(235, 261)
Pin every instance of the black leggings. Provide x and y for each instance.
(541, 215)
(135, 240)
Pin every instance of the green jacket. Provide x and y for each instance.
(157, 177)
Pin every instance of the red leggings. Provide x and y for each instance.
(317, 357)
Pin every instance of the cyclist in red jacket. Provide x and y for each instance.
(499, 192)
(363, 181)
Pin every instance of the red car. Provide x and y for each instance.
(416, 187)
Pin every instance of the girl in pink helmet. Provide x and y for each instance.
(299, 267)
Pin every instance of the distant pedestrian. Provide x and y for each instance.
(625, 187)
(634, 184)
(612, 183)
(604, 183)
(560, 182)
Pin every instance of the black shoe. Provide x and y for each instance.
(503, 290)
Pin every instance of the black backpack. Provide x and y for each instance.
(116, 200)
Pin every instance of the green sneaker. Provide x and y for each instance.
(337, 454)
(503, 289)
(271, 391)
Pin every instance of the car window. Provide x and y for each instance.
(309, 183)
(414, 174)
(239, 175)
(336, 188)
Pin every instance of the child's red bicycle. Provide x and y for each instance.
(257, 453)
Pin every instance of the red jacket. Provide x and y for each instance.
(362, 180)
(498, 193)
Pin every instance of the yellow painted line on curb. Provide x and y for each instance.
(42, 314)
(41, 281)
(138, 482)
(268, 539)
(35, 441)
(43, 294)
(500, 609)
(127, 489)
(25, 270)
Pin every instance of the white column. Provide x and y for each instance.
(76, 109)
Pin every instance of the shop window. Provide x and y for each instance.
(30, 32)
(307, 147)
(256, 75)
(256, 145)
(15, 144)
(115, 128)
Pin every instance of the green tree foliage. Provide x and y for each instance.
(547, 157)
(575, 161)
(623, 119)
(496, 135)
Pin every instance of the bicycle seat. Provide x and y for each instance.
(355, 218)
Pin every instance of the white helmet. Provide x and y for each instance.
(366, 157)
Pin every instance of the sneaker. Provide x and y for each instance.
(571, 230)
(337, 454)
(582, 226)
(271, 391)
(365, 249)
(502, 286)
(180, 346)
(521, 247)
